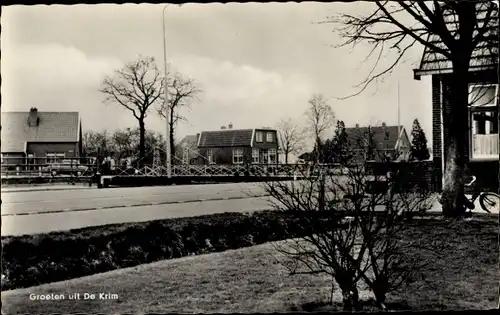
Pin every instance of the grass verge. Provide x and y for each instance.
(36, 259)
(463, 275)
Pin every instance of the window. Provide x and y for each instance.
(255, 156)
(238, 156)
(269, 137)
(483, 118)
(264, 156)
(210, 157)
(55, 157)
(259, 137)
(272, 156)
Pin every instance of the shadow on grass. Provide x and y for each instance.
(366, 305)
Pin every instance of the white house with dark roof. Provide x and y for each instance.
(36, 137)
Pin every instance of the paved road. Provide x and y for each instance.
(71, 200)
(44, 211)
(60, 221)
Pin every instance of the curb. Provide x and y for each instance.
(44, 189)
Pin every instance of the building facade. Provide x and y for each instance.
(387, 142)
(481, 149)
(34, 138)
(238, 146)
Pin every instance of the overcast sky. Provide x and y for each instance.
(256, 63)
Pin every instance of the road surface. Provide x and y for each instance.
(45, 211)
(59, 210)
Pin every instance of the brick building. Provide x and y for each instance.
(238, 146)
(482, 146)
(35, 137)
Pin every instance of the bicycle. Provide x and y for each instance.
(487, 200)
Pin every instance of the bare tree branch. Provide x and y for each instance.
(136, 87)
(292, 137)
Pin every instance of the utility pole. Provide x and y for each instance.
(167, 111)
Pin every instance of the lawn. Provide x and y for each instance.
(463, 275)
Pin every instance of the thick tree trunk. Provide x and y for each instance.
(350, 300)
(142, 140)
(456, 123)
(286, 157)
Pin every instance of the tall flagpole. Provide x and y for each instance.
(168, 157)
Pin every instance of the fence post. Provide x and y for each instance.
(40, 171)
(17, 170)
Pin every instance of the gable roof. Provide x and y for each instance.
(52, 127)
(484, 56)
(383, 137)
(225, 138)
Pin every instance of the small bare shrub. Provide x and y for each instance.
(352, 220)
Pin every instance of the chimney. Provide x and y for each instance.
(223, 127)
(230, 126)
(357, 125)
(33, 118)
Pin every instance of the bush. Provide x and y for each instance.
(37, 259)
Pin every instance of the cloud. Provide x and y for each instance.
(54, 77)
(49, 64)
(57, 77)
(244, 95)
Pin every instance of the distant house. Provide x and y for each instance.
(239, 146)
(35, 137)
(386, 142)
(481, 149)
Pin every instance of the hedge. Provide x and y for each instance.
(37, 259)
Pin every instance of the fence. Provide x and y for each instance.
(20, 167)
(410, 173)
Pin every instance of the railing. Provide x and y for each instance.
(220, 170)
(20, 167)
(485, 145)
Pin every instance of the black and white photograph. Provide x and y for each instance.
(260, 157)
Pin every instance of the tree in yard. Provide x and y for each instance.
(457, 33)
(126, 142)
(419, 150)
(98, 144)
(352, 232)
(182, 92)
(292, 137)
(320, 118)
(136, 87)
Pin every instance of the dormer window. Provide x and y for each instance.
(259, 137)
(269, 137)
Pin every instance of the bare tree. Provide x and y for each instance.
(137, 87)
(125, 142)
(353, 231)
(182, 93)
(461, 34)
(320, 119)
(98, 144)
(292, 137)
